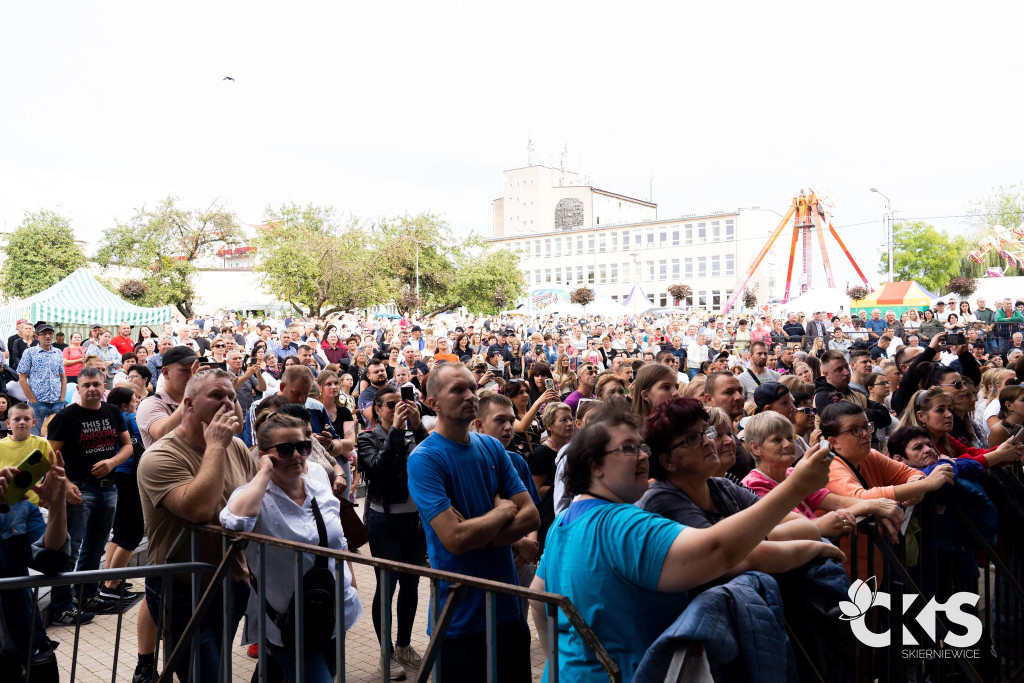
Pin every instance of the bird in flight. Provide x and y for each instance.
(228, 78)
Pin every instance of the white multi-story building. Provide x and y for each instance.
(569, 235)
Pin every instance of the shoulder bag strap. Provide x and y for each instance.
(321, 529)
(855, 471)
(756, 380)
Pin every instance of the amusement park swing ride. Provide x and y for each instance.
(807, 211)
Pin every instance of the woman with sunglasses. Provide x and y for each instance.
(393, 524)
(588, 561)
(933, 410)
(283, 502)
(218, 350)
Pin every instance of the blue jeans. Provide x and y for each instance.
(180, 611)
(320, 666)
(42, 410)
(397, 537)
(89, 524)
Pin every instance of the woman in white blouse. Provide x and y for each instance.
(278, 503)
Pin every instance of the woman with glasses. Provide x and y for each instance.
(770, 440)
(283, 502)
(933, 410)
(630, 592)
(878, 386)
(859, 471)
(218, 350)
(393, 521)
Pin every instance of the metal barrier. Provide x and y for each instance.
(441, 619)
(35, 582)
(933, 575)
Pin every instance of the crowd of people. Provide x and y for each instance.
(592, 458)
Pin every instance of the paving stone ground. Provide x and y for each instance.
(95, 661)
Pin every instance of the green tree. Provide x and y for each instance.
(161, 246)
(453, 271)
(40, 252)
(316, 264)
(924, 254)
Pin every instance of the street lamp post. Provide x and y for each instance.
(887, 226)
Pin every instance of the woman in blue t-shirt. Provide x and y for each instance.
(625, 569)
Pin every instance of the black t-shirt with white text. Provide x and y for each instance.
(88, 437)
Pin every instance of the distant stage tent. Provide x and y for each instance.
(80, 301)
(896, 297)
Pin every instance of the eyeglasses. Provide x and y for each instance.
(859, 431)
(287, 449)
(390, 404)
(958, 385)
(694, 439)
(220, 346)
(630, 449)
(879, 384)
(808, 411)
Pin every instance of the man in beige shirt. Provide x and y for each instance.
(186, 478)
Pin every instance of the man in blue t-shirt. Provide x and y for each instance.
(473, 506)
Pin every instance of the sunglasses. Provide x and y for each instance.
(220, 346)
(390, 404)
(808, 411)
(287, 449)
(958, 385)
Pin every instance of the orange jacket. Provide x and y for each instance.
(881, 474)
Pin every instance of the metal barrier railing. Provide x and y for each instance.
(38, 581)
(441, 618)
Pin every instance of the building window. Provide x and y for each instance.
(664, 299)
(579, 244)
(702, 300)
(716, 235)
(638, 239)
(558, 246)
(603, 274)
(614, 273)
(518, 248)
(663, 238)
(716, 299)
(716, 266)
(601, 243)
(558, 275)
(536, 277)
(650, 271)
(650, 239)
(590, 244)
(536, 248)
(547, 275)
(675, 236)
(579, 274)
(662, 270)
(688, 268)
(625, 272)
(675, 269)
(728, 294)
(730, 266)
(688, 233)
(730, 230)
(702, 233)
(702, 266)
(590, 275)
(547, 248)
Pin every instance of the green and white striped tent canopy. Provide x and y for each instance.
(79, 300)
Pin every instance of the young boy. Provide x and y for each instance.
(21, 442)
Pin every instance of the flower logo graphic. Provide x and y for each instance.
(863, 595)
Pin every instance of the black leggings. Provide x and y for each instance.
(401, 539)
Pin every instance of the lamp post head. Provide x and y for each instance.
(874, 189)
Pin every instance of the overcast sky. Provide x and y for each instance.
(385, 108)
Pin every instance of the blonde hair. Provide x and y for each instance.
(990, 378)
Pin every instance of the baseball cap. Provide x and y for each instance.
(723, 354)
(768, 393)
(43, 326)
(179, 354)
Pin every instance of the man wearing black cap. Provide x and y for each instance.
(775, 397)
(721, 362)
(41, 376)
(417, 341)
(160, 413)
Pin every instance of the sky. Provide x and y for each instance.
(379, 109)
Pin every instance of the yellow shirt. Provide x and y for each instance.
(13, 453)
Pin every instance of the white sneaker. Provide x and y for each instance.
(409, 658)
(397, 670)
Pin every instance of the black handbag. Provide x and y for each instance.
(318, 596)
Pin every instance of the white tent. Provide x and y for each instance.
(605, 306)
(826, 299)
(992, 290)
